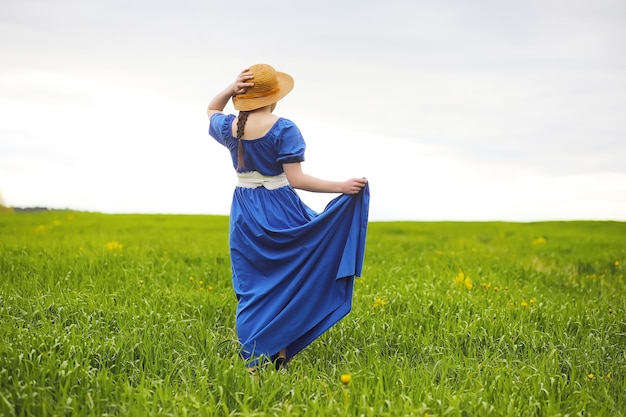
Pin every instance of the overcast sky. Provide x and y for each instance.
(454, 110)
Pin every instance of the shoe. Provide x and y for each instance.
(280, 363)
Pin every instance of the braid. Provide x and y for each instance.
(241, 124)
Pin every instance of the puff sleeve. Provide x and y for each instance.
(219, 127)
(290, 145)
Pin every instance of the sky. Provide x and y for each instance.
(453, 110)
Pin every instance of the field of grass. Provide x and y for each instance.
(133, 315)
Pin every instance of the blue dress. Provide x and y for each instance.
(293, 269)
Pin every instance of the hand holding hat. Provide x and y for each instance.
(269, 86)
(242, 83)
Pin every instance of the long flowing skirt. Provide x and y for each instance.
(293, 269)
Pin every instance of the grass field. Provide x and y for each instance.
(133, 315)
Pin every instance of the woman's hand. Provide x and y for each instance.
(353, 185)
(242, 83)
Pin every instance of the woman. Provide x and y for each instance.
(293, 269)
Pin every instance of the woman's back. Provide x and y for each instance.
(257, 125)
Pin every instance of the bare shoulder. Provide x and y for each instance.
(257, 125)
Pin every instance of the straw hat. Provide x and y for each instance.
(269, 87)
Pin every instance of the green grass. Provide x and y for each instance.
(133, 315)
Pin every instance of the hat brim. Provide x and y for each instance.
(285, 85)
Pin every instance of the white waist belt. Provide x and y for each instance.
(254, 179)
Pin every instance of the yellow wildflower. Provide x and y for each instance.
(379, 303)
(524, 304)
(209, 287)
(590, 376)
(114, 246)
(531, 301)
(465, 280)
(201, 282)
(540, 241)
(190, 279)
(468, 283)
(346, 379)
(616, 263)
